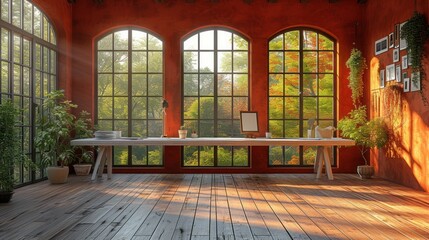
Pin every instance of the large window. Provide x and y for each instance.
(301, 87)
(215, 90)
(28, 70)
(129, 92)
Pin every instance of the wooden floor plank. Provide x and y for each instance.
(216, 206)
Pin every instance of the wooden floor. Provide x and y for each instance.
(216, 206)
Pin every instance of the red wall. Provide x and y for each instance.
(172, 20)
(405, 159)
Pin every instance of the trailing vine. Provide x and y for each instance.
(356, 63)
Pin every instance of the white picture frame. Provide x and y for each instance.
(402, 43)
(406, 84)
(249, 123)
(415, 82)
(396, 55)
(404, 62)
(391, 40)
(381, 46)
(398, 75)
(390, 72)
(382, 74)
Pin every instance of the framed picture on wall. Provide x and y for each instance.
(382, 78)
(415, 81)
(406, 84)
(381, 46)
(390, 72)
(396, 55)
(397, 34)
(404, 62)
(402, 43)
(391, 40)
(398, 73)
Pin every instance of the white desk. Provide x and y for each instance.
(105, 151)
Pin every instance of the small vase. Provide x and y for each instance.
(183, 134)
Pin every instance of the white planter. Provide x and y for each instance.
(57, 175)
(365, 171)
(82, 169)
(183, 133)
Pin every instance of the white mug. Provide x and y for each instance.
(267, 134)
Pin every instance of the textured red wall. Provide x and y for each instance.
(60, 14)
(172, 20)
(405, 159)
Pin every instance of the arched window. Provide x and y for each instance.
(129, 92)
(301, 87)
(215, 90)
(28, 62)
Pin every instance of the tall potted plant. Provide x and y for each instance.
(56, 128)
(10, 153)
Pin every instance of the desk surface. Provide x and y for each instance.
(214, 142)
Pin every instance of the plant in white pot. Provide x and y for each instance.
(183, 132)
(53, 135)
(10, 153)
(366, 134)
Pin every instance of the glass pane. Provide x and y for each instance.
(224, 108)
(5, 10)
(224, 128)
(292, 40)
(310, 84)
(325, 43)
(206, 108)
(291, 128)
(276, 156)
(155, 85)
(139, 128)
(206, 84)
(224, 40)
(139, 85)
(105, 62)
(276, 62)
(240, 85)
(17, 49)
(207, 62)
(291, 155)
(275, 85)
(190, 61)
(239, 104)
(17, 79)
(224, 84)
(310, 62)
(155, 155)
(310, 107)
(240, 62)
(105, 105)
(241, 156)
(4, 44)
(120, 108)
(275, 108)
(190, 85)
(326, 107)
(155, 128)
(224, 62)
(326, 84)
(139, 108)
(120, 155)
(192, 125)
(292, 84)
(191, 43)
(26, 80)
(120, 40)
(16, 13)
(309, 155)
(139, 156)
(105, 43)
(139, 62)
(154, 43)
(326, 62)
(190, 156)
(276, 128)
(310, 40)
(104, 85)
(240, 43)
(206, 128)
(190, 108)
(207, 40)
(292, 62)
(4, 77)
(120, 62)
(291, 107)
(37, 22)
(276, 43)
(155, 62)
(26, 53)
(206, 156)
(225, 156)
(120, 82)
(139, 40)
(28, 16)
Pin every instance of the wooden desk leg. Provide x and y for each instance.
(98, 161)
(319, 154)
(328, 163)
(109, 162)
(319, 160)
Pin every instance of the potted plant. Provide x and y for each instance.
(183, 132)
(10, 152)
(357, 65)
(56, 128)
(366, 134)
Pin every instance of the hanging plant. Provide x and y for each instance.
(356, 63)
(416, 32)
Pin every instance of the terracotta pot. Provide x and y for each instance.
(82, 169)
(365, 171)
(57, 175)
(5, 197)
